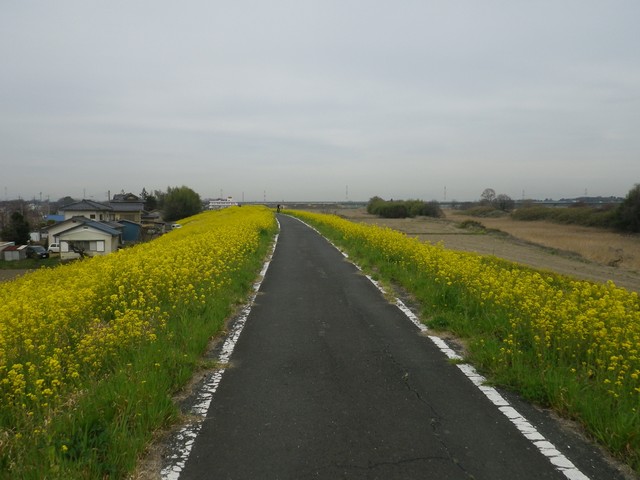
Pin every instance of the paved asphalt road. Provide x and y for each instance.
(328, 380)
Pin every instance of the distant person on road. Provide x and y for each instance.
(278, 208)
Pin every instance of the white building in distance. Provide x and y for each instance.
(218, 203)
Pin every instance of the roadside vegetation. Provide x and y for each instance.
(92, 352)
(567, 344)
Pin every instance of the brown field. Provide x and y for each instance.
(585, 253)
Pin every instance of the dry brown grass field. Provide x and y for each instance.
(585, 253)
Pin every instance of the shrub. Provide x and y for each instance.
(601, 216)
(627, 216)
(374, 204)
(472, 225)
(403, 208)
(484, 211)
(393, 210)
(532, 213)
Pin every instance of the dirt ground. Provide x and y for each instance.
(543, 245)
(10, 274)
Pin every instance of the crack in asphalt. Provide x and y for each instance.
(374, 465)
(435, 416)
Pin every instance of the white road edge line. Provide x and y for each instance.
(186, 437)
(557, 459)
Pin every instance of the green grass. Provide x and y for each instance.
(30, 263)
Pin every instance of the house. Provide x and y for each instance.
(127, 206)
(57, 228)
(81, 233)
(89, 237)
(89, 209)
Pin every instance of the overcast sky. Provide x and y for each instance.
(318, 100)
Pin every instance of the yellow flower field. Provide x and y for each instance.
(60, 326)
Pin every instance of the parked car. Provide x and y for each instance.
(36, 251)
(175, 225)
(54, 248)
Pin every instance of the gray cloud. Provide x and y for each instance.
(300, 99)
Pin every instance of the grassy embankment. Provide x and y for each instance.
(571, 345)
(92, 352)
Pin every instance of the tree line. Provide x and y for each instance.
(624, 217)
(403, 208)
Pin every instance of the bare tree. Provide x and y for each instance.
(80, 250)
(488, 197)
(505, 202)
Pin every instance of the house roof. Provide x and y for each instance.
(75, 219)
(127, 206)
(129, 222)
(126, 197)
(79, 221)
(95, 225)
(86, 205)
(153, 214)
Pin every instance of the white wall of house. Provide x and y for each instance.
(95, 242)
